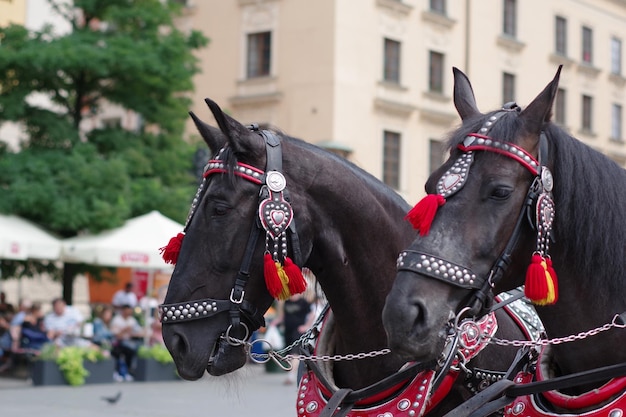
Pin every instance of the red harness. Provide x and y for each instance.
(412, 397)
(607, 401)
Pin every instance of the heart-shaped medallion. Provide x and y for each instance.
(450, 180)
(275, 215)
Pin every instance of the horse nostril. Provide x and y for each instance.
(176, 344)
(418, 312)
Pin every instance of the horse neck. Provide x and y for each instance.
(359, 231)
(588, 256)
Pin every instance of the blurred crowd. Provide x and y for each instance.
(117, 329)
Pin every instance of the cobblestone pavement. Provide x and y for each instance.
(250, 391)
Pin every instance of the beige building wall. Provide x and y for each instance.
(12, 11)
(327, 69)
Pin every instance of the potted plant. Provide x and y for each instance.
(155, 363)
(72, 365)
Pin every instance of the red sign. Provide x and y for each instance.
(135, 257)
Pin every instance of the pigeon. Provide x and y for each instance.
(114, 399)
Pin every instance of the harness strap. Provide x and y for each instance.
(349, 398)
(330, 409)
(238, 291)
(484, 404)
(492, 391)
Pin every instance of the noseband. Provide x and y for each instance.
(538, 197)
(272, 184)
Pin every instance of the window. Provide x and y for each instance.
(259, 54)
(559, 107)
(508, 87)
(436, 154)
(435, 72)
(587, 45)
(587, 115)
(616, 56)
(391, 159)
(509, 18)
(392, 61)
(438, 6)
(616, 122)
(560, 36)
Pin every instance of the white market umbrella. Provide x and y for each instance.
(135, 244)
(21, 239)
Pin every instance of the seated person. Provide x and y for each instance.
(126, 330)
(10, 341)
(63, 325)
(102, 334)
(33, 334)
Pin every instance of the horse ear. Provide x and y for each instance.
(213, 137)
(237, 134)
(539, 111)
(464, 99)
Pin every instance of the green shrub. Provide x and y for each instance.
(70, 360)
(157, 352)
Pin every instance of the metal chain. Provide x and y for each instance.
(284, 356)
(557, 340)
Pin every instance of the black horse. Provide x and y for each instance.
(349, 229)
(518, 197)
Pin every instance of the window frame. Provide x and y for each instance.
(508, 87)
(509, 18)
(616, 55)
(438, 6)
(616, 122)
(587, 45)
(258, 54)
(436, 61)
(392, 58)
(560, 35)
(392, 143)
(587, 113)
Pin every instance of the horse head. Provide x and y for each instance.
(241, 221)
(474, 223)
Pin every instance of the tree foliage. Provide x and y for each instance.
(69, 176)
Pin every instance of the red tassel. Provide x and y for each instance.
(172, 249)
(272, 280)
(297, 283)
(422, 215)
(539, 287)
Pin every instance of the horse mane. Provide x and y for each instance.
(589, 194)
(589, 198)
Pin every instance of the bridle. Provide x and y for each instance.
(538, 199)
(244, 316)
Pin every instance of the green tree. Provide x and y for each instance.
(70, 177)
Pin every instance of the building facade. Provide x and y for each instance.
(373, 79)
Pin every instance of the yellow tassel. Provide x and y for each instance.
(284, 280)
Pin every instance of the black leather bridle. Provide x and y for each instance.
(244, 316)
(457, 275)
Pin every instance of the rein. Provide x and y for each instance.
(275, 217)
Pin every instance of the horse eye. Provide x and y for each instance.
(220, 210)
(501, 193)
